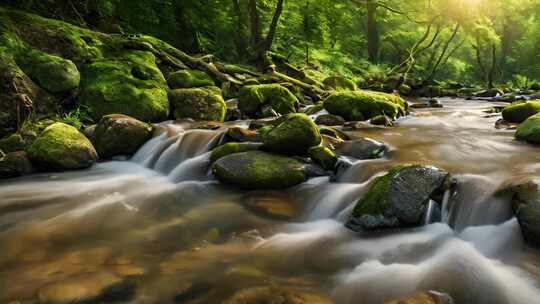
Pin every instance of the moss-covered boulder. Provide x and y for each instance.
(529, 130)
(257, 170)
(323, 156)
(293, 134)
(253, 98)
(12, 143)
(518, 112)
(535, 86)
(362, 148)
(330, 120)
(339, 83)
(198, 103)
(185, 79)
(118, 134)
(231, 148)
(399, 198)
(363, 105)
(14, 164)
(53, 73)
(62, 147)
(131, 84)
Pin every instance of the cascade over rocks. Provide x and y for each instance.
(62, 147)
(118, 134)
(399, 198)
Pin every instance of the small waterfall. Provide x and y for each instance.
(181, 154)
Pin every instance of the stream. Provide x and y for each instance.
(162, 220)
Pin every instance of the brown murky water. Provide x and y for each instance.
(165, 232)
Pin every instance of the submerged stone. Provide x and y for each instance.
(253, 98)
(62, 147)
(256, 170)
(399, 198)
(364, 105)
(293, 134)
(198, 103)
(118, 134)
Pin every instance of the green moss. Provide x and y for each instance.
(293, 134)
(519, 112)
(530, 130)
(376, 201)
(185, 79)
(118, 134)
(256, 170)
(198, 103)
(131, 85)
(61, 146)
(231, 148)
(382, 120)
(252, 98)
(339, 83)
(323, 156)
(535, 86)
(363, 105)
(52, 73)
(12, 143)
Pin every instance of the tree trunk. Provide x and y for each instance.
(306, 31)
(255, 23)
(442, 56)
(269, 40)
(240, 39)
(372, 31)
(492, 71)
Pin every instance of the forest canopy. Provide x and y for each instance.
(483, 42)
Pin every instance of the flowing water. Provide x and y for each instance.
(161, 219)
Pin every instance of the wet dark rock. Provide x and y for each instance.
(382, 120)
(489, 93)
(204, 103)
(256, 170)
(399, 198)
(363, 148)
(524, 194)
(430, 103)
(243, 135)
(330, 120)
(15, 164)
(192, 292)
(118, 134)
(311, 110)
(503, 124)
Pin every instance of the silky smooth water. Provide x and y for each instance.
(162, 220)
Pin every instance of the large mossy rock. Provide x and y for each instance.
(363, 105)
(185, 79)
(118, 134)
(53, 73)
(339, 83)
(519, 112)
(253, 98)
(233, 147)
(131, 84)
(323, 156)
(62, 147)
(198, 103)
(293, 134)
(12, 143)
(14, 164)
(256, 170)
(529, 130)
(399, 198)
